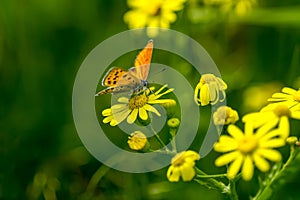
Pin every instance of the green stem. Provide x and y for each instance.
(173, 141)
(158, 139)
(233, 195)
(212, 176)
(102, 170)
(210, 183)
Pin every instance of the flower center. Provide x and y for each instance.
(247, 145)
(282, 110)
(137, 101)
(157, 12)
(297, 96)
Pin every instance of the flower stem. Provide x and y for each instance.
(158, 138)
(233, 195)
(102, 170)
(173, 141)
(210, 182)
(212, 176)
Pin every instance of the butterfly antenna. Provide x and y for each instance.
(160, 71)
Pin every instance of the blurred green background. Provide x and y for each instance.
(42, 45)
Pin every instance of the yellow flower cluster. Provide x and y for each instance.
(152, 14)
(264, 131)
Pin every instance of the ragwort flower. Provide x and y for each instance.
(182, 165)
(249, 149)
(137, 105)
(155, 13)
(274, 114)
(210, 89)
(225, 115)
(137, 141)
(289, 96)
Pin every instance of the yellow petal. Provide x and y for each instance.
(235, 132)
(267, 127)
(247, 169)
(151, 109)
(273, 143)
(106, 112)
(161, 101)
(107, 119)
(213, 92)
(249, 128)
(191, 155)
(227, 158)
(261, 163)
(187, 172)
(281, 96)
(288, 90)
(235, 167)
(119, 117)
(173, 174)
(284, 126)
(143, 114)
(113, 122)
(204, 95)
(270, 154)
(132, 116)
(225, 144)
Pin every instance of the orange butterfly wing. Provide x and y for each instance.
(143, 60)
(113, 76)
(121, 80)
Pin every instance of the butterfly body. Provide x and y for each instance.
(135, 79)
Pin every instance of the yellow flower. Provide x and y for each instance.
(210, 89)
(137, 105)
(274, 114)
(246, 150)
(182, 165)
(289, 96)
(225, 115)
(154, 13)
(137, 140)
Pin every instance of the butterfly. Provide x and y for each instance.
(135, 79)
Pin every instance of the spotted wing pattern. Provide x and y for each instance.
(113, 76)
(120, 80)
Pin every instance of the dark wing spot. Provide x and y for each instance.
(128, 78)
(125, 75)
(115, 77)
(114, 82)
(109, 82)
(116, 73)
